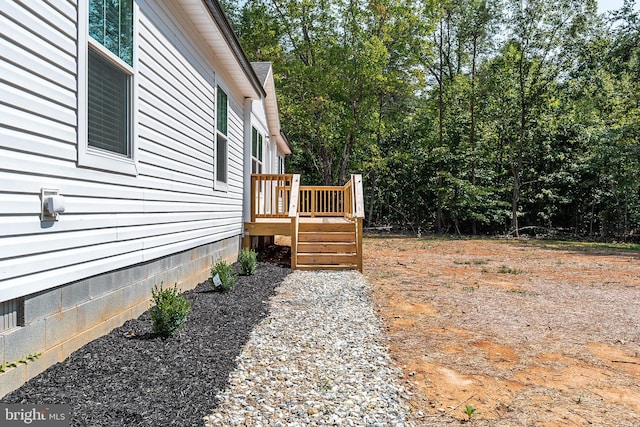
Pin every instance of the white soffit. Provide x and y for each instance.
(201, 17)
(271, 109)
(273, 115)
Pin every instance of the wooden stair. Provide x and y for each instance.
(327, 246)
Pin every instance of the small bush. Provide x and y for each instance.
(226, 274)
(248, 261)
(170, 311)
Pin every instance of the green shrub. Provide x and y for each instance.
(226, 274)
(170, 311)
(248, 261)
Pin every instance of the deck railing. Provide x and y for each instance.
(281, 197)
(321, 201)
(270, 195)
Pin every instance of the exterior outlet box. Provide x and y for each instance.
(52, 204)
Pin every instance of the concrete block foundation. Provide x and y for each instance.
(59, 321)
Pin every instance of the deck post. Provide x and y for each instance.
(358, 214)
(293, 214)
(294, 242)
(359, 244)
(254, 194)
(313, 203)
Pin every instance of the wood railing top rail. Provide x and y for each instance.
(273, 177)
(347, 200)
(293, 201)
(321, 187)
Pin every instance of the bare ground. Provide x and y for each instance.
(529, 333)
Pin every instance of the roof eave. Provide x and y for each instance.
(286, 142)
(220, 18)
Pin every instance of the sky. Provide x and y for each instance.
(605, 5)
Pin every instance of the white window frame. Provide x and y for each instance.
(91, 157)
(280, 164)
(217, 184)
(260, 138)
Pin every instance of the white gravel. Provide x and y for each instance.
(318, 359)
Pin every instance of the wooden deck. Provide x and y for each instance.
(282, 226)
(325, 223)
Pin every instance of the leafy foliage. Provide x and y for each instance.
(169, 313)
(469, 411)
(473, 116)
(248, 261)
(225, 273)
(27, 359)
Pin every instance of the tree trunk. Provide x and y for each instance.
(514, 205)
(326, 165)
(372, 197)
(439, 220)
(472, 105)
(516, 166)
(346, 153)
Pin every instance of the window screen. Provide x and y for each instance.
(108, 96)
(221, 158)
(108, 88)
(222, 115)
(256, 151)
(221, 137)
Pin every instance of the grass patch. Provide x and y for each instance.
(508, 270)
(472, 262)
(585, 246)
(386, 275)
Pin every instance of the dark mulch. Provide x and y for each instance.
(277, 254)
(131, 377)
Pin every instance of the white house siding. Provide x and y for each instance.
(111, 220)
(259, 121)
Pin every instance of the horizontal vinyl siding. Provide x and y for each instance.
(111, 220)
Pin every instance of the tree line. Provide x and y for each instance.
(470, 116)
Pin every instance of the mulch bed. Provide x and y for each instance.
(132, 377)
(277, 254)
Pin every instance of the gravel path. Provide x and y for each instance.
(316, 360)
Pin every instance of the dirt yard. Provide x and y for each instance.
(529, 333)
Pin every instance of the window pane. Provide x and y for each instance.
(108, 96)
(254, 142)
(260, 147)
(111, 24)
(222, 111)
(221, 159)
